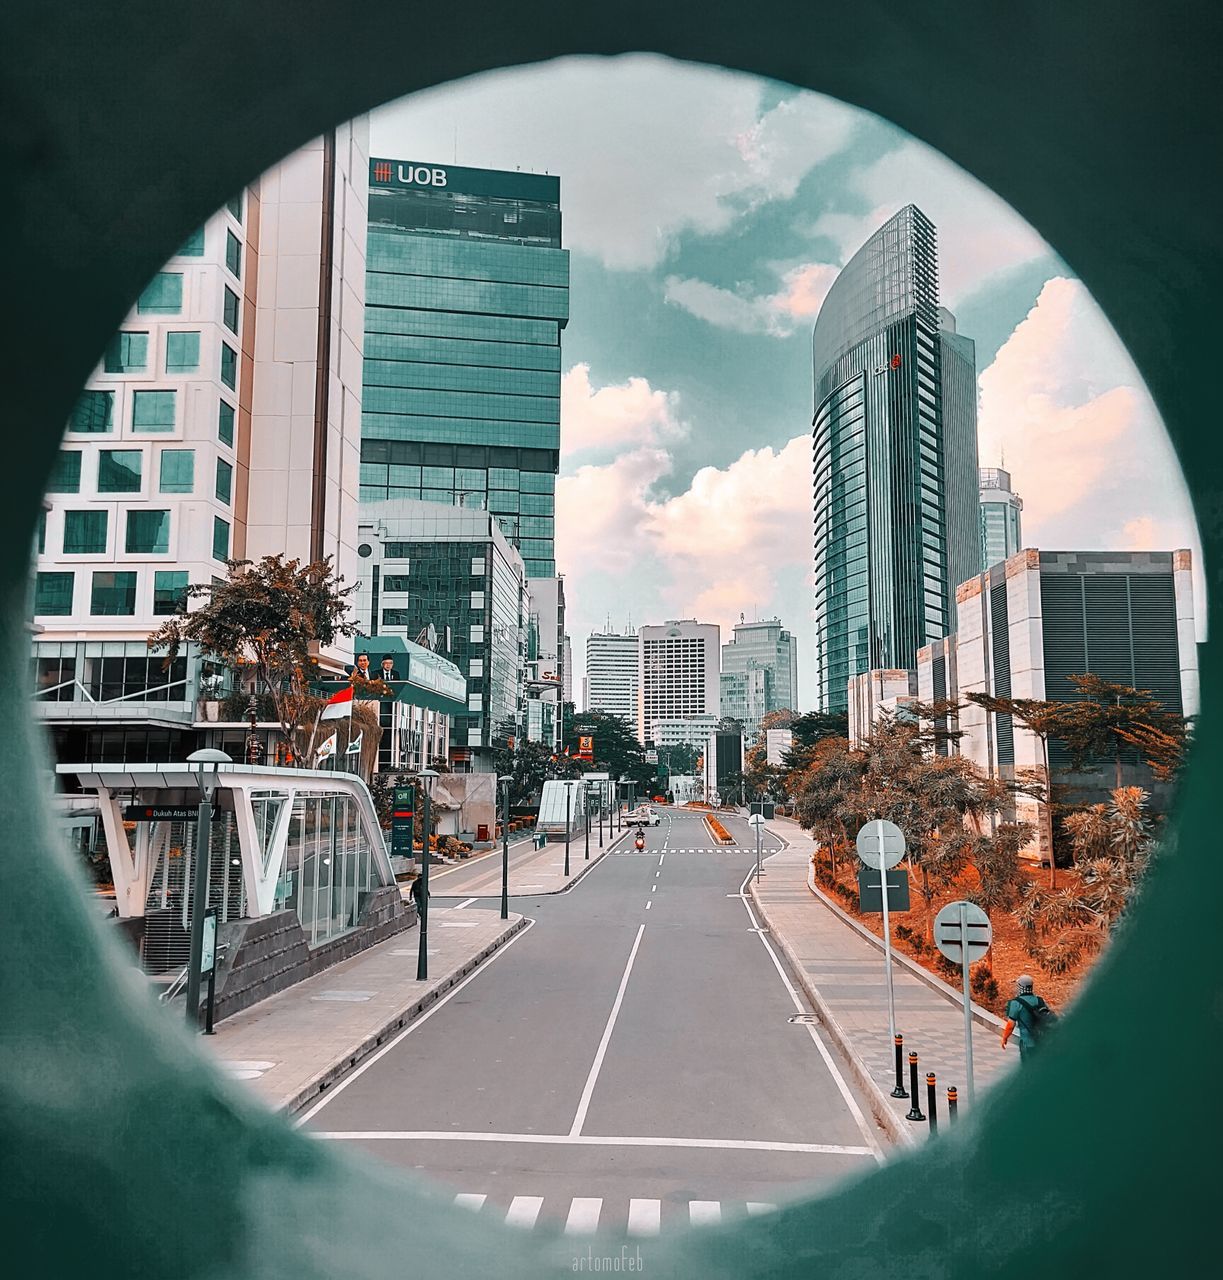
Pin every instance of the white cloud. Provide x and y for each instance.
(1082, 439)
(618, 416)
(979, 234)
(646, 148)
(803, 289)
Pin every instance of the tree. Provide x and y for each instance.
(616, 750)
(1110, 719)
(273, 614)
(1114, 847)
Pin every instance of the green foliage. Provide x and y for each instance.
(616, 749)
(273, 614)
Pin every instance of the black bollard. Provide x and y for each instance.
(915, 1110)
(900, 1091)
(932, 1101)
(953, 1104)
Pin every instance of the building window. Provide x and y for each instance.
(148, 533)
(119, 471)
(65, 472)
(225, 481)
(476, 668)
(230, 313)
(53, 594)
(395, 618)
(127, 352)
(182, 352)
(153, 411)
(229, 366)
(169, 592)
(233, 253)
(477, 599)
(477, 567)
(235, 206)
(193, 246)
(85, 533)
(220, 538)
(113, 595)
(396, 550)
(396, 582)
(42, 531)
(225, 423)
(476, 635)
(93, 413)
(163, 295)
(177, 471)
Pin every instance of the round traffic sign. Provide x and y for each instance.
(756, 820)
(881, 844)
(961, 924)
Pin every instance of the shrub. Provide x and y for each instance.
(984, 984)
(719, 831)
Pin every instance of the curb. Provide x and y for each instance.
(982, 1017)
(396, 1022)
(880, 1104)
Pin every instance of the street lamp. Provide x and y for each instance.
(206, 761)
(427, 778)
(568, 812)
(626, 782)
(587, 791)
(602, 806)
(505, 780)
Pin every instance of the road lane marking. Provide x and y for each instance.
(588, 1091)
(461, 905)
(657, 874)
(837, 1077)
(523, 1211)
(704, 1213)
(653, 888)
(341, 1085)
(649, 904)
(472, 1202)
(755, 1207)
(583, 1219)
(591, 1140)
(644, 1217)
(458, 924)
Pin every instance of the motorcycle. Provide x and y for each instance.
(640, 840)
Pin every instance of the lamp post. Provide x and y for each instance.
(602, 806)
(568, 812)
(586, 794)
(205, 761)
(505, 780)
(427, 778)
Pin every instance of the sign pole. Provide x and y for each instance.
(967, 981)
(887, 932)
(757, 853)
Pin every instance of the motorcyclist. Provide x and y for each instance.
(639, 840)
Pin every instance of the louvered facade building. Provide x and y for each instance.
(1026, 624)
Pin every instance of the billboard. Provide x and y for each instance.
(586, 747)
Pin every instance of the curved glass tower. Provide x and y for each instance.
(895, 459)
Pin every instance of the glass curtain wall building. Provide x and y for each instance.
(1001, 532)
(895, 459)
(759, 673)
(467, 293)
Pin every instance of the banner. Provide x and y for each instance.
(586, 747)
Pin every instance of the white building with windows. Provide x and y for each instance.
(611, 674)
(210, 430)
(677, 672)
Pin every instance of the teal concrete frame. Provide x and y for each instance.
(123, 1152)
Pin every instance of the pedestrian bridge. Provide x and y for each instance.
(300, 841)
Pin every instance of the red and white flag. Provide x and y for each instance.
(338, 705)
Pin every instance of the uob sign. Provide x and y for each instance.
(419, 175)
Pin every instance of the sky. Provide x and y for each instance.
(706, 214)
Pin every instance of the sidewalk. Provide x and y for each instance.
(293, 1045)
(840, 968)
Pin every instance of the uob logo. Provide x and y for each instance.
(420, 176)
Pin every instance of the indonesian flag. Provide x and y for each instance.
(325, 750)
(338, 705)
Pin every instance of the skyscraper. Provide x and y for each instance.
(895, 459)
(1001, 535)
(677, 674)
(759, 673)
(611, 674)
(467, 290)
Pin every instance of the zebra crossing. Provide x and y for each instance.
(653, 853)
(587, 1214)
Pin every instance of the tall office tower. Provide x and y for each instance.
(546, 659)
(759, 673)
(895, 459)
(677, 672)
(1001, 536)
(223, 422)
(449, 576)
(611, 673)
(467, 291)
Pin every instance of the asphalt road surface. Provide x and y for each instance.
(626, 1064)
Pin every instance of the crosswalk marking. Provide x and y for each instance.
(474, 1203)
(755, 1207)
(644, 1217)
(704, 1213)
(523, 1211)
(583, 1216)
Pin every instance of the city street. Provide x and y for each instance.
(627, 1064)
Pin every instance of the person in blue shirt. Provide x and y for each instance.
(1028, 1013)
